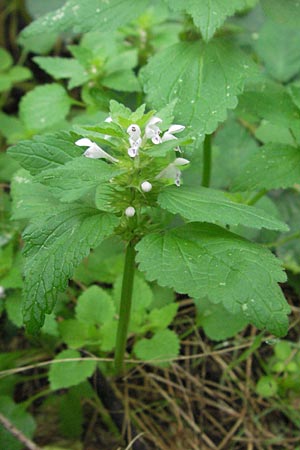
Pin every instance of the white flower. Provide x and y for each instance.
(130, 211)
(135, 140)
(146, 186)
(133, 151)
(134, 131)
(169, 134)
(108, 119)
(152, 131)
(94, 151)
(2, 292)
(172, 170)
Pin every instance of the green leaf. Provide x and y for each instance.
(218, 70)
(232, 146)
(267, 386)
(211, 318)
(66, 374)
(44, 106)
(288, 203)
(273, 166)
(161, 318)
(281, 56)
(104, 264)
(76, 334)
(95, 306)
(21, 419)
(8, 167)
(11, 128)
(121, 61)
(13, 306)
(18, 74)
(202, 204)
(270, 101)
(55, 245)
(30, 199)
(77, 177)
(123, 80)
(207, 261)
(6, 60)
(5, 82)
(142, 295)
(286, 13)
(162, 346)
(86, 15)
(46, 152)
(60, 68)
(108, 335)
(208, 15)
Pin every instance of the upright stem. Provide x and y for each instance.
(125, 306)
(256, 197)
(206, 172)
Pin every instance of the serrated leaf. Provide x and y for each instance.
(46, 152)
(218, 70)
(273, 166)
(44, 106)
(281, 56)
(163, 345)
(86, 15)
(123, 80)
(206, 260)
(77, 177)
(30, 199)
(121, 61)
(161, 318)
(211, 318)
(66, 374)
(208, 15)
(55, 245)
(95, 306)
(63, 68)
(270, 101)
(200, 204)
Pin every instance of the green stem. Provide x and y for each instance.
(256, 197)
(125, 306)
(283, 241)
(206, 172)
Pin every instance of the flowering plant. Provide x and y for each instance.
(128, 182)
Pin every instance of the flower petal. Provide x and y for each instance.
(168, 137)
(84, 142)
(156, 139)
(133, 152)
(176, 128)
(181, 162)
(96, 152)
(153, 121)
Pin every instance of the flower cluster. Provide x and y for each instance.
(136, 141)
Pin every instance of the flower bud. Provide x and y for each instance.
(130, 211)
(146, 186)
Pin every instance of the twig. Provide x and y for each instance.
(18, 433)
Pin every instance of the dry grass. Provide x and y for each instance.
(207, 403)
